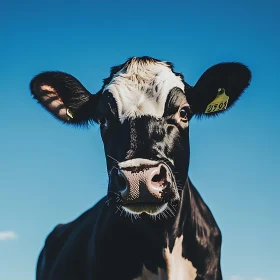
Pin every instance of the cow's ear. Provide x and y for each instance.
(64, 97)
(218, 88)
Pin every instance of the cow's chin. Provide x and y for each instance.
(152, 209)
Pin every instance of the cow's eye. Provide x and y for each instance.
(102, 121)
(183, 113)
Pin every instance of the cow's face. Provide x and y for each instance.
(143, 109)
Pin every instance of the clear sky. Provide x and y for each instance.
(50, 173)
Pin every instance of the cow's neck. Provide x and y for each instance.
(143, 242)
(154, 235)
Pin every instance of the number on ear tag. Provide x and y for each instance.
(219, 103)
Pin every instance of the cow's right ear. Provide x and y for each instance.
(64, 97)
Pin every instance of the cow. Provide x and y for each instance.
(153, 223)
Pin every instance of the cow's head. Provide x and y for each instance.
(143, 109)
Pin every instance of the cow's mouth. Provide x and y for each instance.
(154, 208)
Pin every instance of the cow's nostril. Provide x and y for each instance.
(161, 177)
(121, 181)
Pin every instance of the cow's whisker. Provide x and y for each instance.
(112, 158)
(171, 212)
(107, 201)
(117, 194)
(114, 167)
(173, 208)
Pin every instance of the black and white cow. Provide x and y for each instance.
(153, 224)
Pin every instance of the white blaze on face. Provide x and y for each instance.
(178, 268)
(141, 88)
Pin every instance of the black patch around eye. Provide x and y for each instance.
(175, 98)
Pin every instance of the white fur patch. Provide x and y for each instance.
(141, 88)
(178, 268)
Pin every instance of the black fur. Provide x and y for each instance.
(104, 245)
(232, 76)
(73, 94)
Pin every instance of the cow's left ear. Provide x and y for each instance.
(218, 88)
(64, 97)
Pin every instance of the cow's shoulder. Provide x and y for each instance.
(63, 239)
(202, 244)
(202, 215)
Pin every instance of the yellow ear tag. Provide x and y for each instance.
(219, 103)
(69, 113)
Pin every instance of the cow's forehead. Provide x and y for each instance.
(141, 88)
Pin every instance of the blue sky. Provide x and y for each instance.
(50, 173)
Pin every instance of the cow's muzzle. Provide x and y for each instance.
(144, 185)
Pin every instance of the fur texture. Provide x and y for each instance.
(141, 88)
(144, 109)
